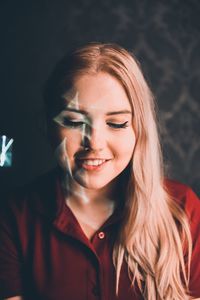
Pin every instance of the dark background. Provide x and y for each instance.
(164, 35)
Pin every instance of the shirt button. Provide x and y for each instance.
(101, 235)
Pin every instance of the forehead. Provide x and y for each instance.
(100, 92)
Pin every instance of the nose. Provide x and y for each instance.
(93, 138)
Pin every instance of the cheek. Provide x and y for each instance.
(125, 145)
(67, 145)
(72, 137)
(72, 142)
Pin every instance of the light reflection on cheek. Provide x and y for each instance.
(83, 134)
(65, 156)
(70, 176)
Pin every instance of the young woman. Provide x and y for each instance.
(106, 224)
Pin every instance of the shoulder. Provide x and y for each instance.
(185, 197)
(179, 190)
(190, 203)
(38, 195)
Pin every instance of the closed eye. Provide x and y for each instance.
(77, 124)
(72, 124)
(118, 125)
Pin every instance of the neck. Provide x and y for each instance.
(92, 207)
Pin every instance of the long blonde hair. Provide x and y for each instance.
(154, 236)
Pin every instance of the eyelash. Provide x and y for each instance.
(72, 124)
(75, 124)
(118, 126)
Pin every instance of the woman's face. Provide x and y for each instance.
(95, 132)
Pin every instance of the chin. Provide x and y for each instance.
(89, 183)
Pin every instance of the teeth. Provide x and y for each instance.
(95, 162)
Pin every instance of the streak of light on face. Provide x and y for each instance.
(61, 151)
(95, 134)
(71, 98)
(63, 160)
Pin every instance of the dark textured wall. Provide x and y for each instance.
(165, 36)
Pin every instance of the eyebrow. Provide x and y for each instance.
(110, 113)
(119, 112)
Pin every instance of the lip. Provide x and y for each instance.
(91, 158)
(80, 163)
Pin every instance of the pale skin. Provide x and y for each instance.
(104, 107)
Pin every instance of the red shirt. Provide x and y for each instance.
(45, 255)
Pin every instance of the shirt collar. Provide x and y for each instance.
(50, 201)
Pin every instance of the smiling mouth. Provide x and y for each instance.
(91, 164)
